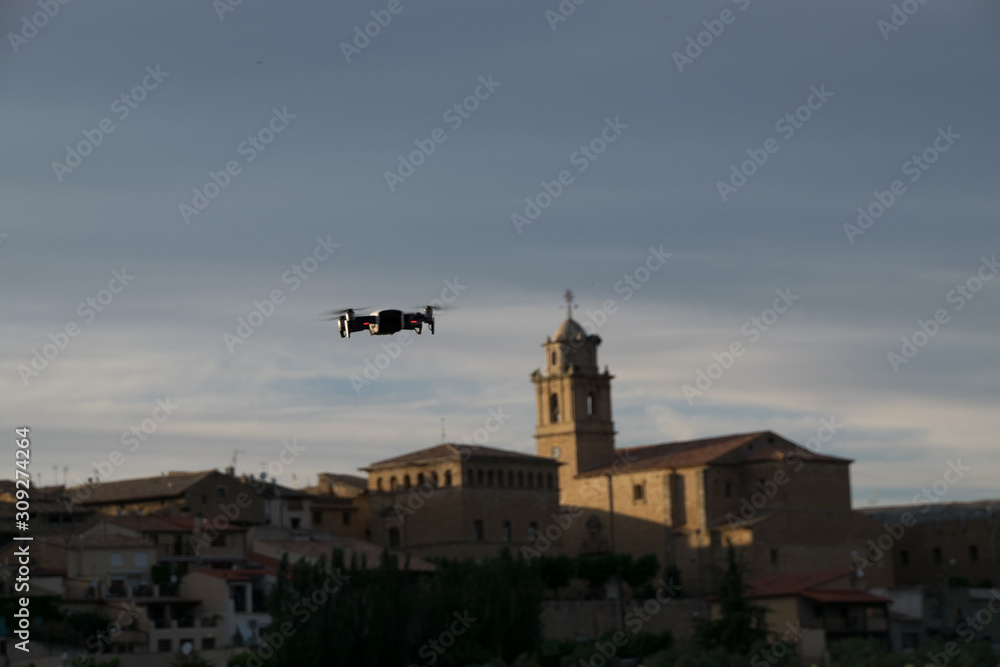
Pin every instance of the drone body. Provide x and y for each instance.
(383, 322)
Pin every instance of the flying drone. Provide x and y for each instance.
(382, 322)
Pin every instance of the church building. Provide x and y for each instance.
(786, 508)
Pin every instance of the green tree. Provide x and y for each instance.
(741, 624)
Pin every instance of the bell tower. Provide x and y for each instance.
(573, 398)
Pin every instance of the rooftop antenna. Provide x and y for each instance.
(65, 475)
(569, 303)
(442, 431)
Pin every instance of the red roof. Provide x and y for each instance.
(793, 583)
(727, 449)
(806, 584)
(154, 523)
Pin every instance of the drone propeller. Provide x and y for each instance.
(335, 314)
(441, 307)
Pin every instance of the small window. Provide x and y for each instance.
(500, 478)
(973, 553)
(540, 482)
(553, 358)
(165, 645)
(420, 479)
(434, 479)
(116, 560)
(532, 532)
(729, 490)
(520, 478)
(393, 538)
(477, 528)
(904, 557)
(637, 492)
(220, 491)
(379, 483)
(774, 556)
(471, 477)
(489, 477)
(505, 531)
(549, 481)
(393, 484)
(531, 479)
(207, 643)
(479, 477)
(139, 559)
(590, 405)
(406, 481)
(447, 478)
(554, 408)
(347, 518)
(936, 555)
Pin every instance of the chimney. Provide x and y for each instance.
(231, 471)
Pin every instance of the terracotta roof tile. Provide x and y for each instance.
(793, 583)
(144, 488)
(450, 451)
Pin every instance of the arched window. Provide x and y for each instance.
(479, 477)
(540, 482)
(420, 479)
(472, 478)
(554, 408)
(434, 479)
(548, 481)
(489, 477)
(392, 483)
(510, 478)
(500, 478)
(531, 479)
(379, 483)
(520, 478)
(590, 405)
(553, 358)
(447, 478)
(406, 481)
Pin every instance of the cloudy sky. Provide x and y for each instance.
(120, 120)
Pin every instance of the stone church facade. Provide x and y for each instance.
(786, 508)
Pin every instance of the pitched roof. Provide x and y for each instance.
(844, 596)
(350, 480)
(793, 583)
(144, 488)
(97, 541)
(727, 449)
(450, 451)
(156, 523)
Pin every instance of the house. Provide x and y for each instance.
(813, 609)
(209, 494)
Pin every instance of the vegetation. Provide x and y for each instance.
(741, 624)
